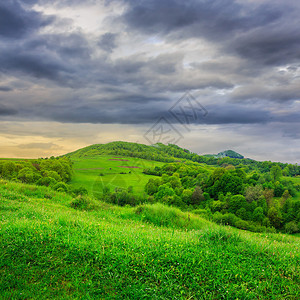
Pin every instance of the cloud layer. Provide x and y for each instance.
(128, 62)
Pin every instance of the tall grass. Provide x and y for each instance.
(162, 215)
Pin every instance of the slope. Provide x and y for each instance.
(50, 250)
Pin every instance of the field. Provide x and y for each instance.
(50, 250)
(112, 171)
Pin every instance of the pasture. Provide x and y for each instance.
(95, 173)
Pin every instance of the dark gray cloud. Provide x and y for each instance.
(16, 21)
(265, 33)
(34, 65)
(5, 89)
(108, 41)
(213, 19)
(7, 111)
(275, 46)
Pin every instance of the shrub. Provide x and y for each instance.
(46, 181)
(83, 203)
(291, 227)
(226, 219)
(61, 187)
(79, 191)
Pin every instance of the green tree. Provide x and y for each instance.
(258, 215)
(163, 191)
(276, 172)
(9, 170)
(275, 217)
(197, 196)
(253, 193)
(186, 196)
(236, 202)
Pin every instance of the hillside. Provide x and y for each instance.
(50, 250)
(111, 171)
(172, 153)
(261, 197)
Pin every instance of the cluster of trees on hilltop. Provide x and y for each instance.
(252, 201)
(53, 172)
(124, 149)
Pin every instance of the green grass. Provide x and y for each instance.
(94, 173)
(49, 250)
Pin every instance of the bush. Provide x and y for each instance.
(46, 181)
(291, 227)
(61, 187)
(83, 203)
(226, 219)
(81, 191)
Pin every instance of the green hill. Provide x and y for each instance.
(50, 250)
(157, 152)
(172, 153)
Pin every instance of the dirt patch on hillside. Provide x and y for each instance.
(89, 169)
(129, 167)
(119, 159)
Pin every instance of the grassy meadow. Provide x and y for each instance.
(112, 171)
(49, 250)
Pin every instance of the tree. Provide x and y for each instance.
(163, 191)
(27, 175)
(186, 196)
(242, 213)
(275, 217)
(8, 170)
(269, 195)
(236, 202)
(151, 187)
(286, 195)
(197, 196)
(276, 172)
(258, 215)
(253, 193)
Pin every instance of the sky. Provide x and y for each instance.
(208, 75)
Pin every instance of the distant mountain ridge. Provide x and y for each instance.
(226, 153)
(229, 153)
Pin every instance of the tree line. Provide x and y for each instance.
(230, 195)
